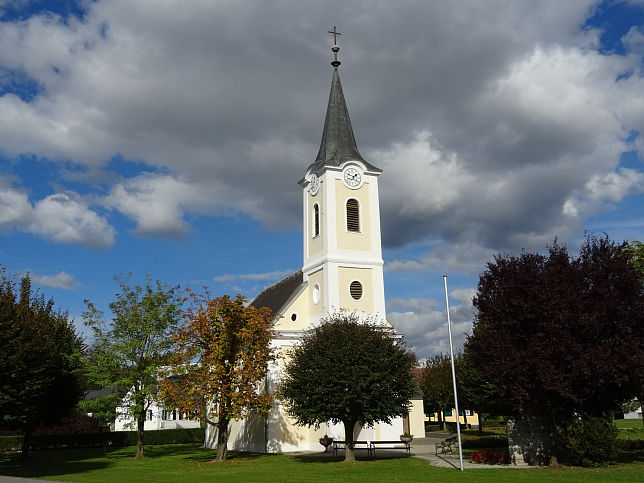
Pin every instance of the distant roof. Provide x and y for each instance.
(275, 296)
(338, 142)
(96, 393)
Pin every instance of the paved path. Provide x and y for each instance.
(424, 448)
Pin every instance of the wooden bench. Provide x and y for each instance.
(446, 445)
(389, 445)
(356, 445)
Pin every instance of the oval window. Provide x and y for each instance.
(356, 290)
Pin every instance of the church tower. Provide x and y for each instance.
(341, 219)
(342, 270)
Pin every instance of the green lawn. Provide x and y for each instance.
(630, 428)
(189, 463)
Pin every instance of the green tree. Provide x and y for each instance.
(369, 380)
(40, 356)
(561, 335)
(102, 408)
(437, 386)
(636, 249)
(129, 351)
(219, 355)
(475, 391)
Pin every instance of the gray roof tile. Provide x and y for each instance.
(338, 142)
(275, 296)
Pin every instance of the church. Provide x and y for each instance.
(342, 271)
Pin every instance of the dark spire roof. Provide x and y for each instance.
(338, 142)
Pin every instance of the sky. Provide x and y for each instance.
(167, 138)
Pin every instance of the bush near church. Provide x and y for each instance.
(491, 457)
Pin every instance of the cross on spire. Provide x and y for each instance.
(335, 34)
(335, 47)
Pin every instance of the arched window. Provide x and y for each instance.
(316, 220)
(353, 215)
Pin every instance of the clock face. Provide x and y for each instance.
(352, 177)
(314, 183)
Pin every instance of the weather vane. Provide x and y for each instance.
(335, 47)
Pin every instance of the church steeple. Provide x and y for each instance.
(338, 142)
(341, 219)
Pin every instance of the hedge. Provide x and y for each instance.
(97, 440)
(630, 444)
(473, 442)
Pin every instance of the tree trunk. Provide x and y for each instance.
(464, 419)
(222, 439)
(140, 423)
(481, 421)
(349, 455)
(26, 443)
(641, 398)
(442, 419)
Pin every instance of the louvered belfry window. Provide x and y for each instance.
(316, 220)
(356, 290)
(353, 215)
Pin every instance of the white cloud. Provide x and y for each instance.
(61, 217)
(548, 128)
(612, 187)
(65, 218)
(493, 136)
(15, 208)
(424, 323)
(156, 202)
(62, 280)
(445, 258)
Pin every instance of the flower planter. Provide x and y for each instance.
(326, 442)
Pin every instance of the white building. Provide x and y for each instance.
(637, 414)
(157, 417)
(342, 270)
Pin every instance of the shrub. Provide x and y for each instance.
(496, 422)
(491, 457)
(586, 441)
(630, 444)
(472, 442)
(174, 436)
(10, 443)
(97, 440)
(77, 423)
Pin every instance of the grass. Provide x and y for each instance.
(630, 428)
(189, 462)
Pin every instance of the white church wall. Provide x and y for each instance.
(417, 419)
